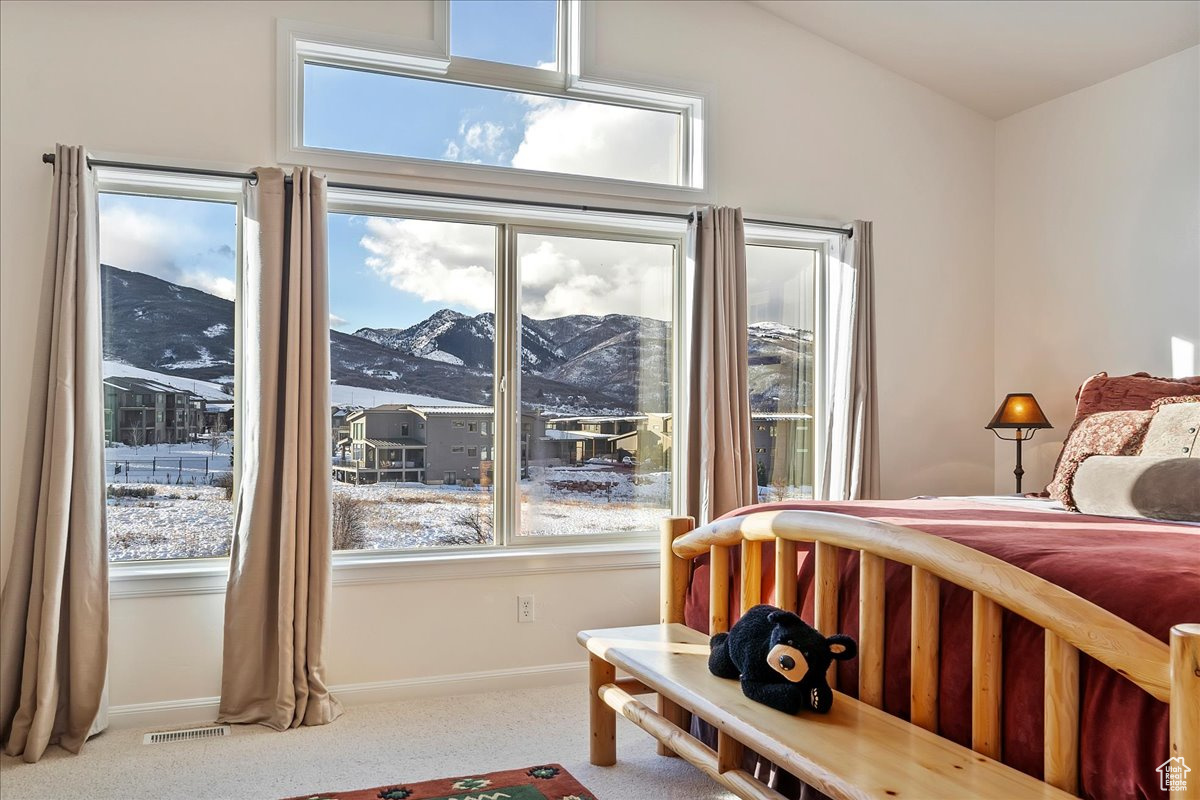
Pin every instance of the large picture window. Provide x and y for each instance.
(430, 449)
(499, 375)
(168, 291)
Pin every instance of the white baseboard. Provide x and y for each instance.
(204, 709)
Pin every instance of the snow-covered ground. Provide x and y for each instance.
(186, 464)
(176, 522)
(187, 518)
(559, 501)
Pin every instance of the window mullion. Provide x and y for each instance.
(507, 341)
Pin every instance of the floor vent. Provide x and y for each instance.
(186, 734)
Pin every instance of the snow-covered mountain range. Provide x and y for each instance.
(576, 364)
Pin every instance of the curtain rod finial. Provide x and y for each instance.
(47, 158)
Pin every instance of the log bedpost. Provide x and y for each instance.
(673, 585)
(673, 575)
(1185, 695)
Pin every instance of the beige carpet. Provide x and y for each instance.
(369, 746)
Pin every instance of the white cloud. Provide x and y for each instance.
(442, 262)
(337, 322)
(479, 143)
(597, 139)
(484, 135)
(206, 282)
(780, 286)
(453, 263)
(563, 275)
(165, 247)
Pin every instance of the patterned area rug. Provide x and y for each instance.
(545, 782)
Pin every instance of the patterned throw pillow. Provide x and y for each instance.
(1106, 433)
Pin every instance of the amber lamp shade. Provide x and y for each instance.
(1019, 411)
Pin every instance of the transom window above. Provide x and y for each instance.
(497, 96)
(368, 112)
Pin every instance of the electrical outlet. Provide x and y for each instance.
(525, 608)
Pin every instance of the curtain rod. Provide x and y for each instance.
(49, 158)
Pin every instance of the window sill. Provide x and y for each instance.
(209, 576)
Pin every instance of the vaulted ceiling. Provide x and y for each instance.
(1000, 57)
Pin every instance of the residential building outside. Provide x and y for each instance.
(141, 412)
(433, 445)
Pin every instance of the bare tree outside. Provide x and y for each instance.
(349, 523)
(476, 527)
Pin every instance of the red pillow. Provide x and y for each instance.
(1105, 433)
(1129, 392)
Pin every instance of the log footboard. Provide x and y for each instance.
(858, 750)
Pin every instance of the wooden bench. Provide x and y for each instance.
(858, 750)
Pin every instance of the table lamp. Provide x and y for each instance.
(1019, 411)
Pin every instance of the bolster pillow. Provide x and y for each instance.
(1139, 486)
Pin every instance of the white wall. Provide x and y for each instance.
(800, 128)
(1097, 241)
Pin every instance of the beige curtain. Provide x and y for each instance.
(848, 461)
(277, 601)
(720, 459)
(54, 611)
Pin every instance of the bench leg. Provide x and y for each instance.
(603, 718)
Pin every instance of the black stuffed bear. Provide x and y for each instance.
(781, 660)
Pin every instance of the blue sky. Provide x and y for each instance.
(364, 296)
(510, 31)
(391, 115)
(189, 242)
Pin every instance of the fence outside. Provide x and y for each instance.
(172, 469)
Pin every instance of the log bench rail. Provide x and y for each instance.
(858, 750)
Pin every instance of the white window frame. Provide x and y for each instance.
(110, 180)
(527, 555)
(509, 220)
(822, 245)
(299, 43)
(208, 575)
(678, 337)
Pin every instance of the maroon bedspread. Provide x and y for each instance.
(1147, 573)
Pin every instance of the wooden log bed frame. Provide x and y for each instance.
(858, 750)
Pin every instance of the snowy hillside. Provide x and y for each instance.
(574, 364)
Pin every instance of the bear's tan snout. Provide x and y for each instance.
(788, 662)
